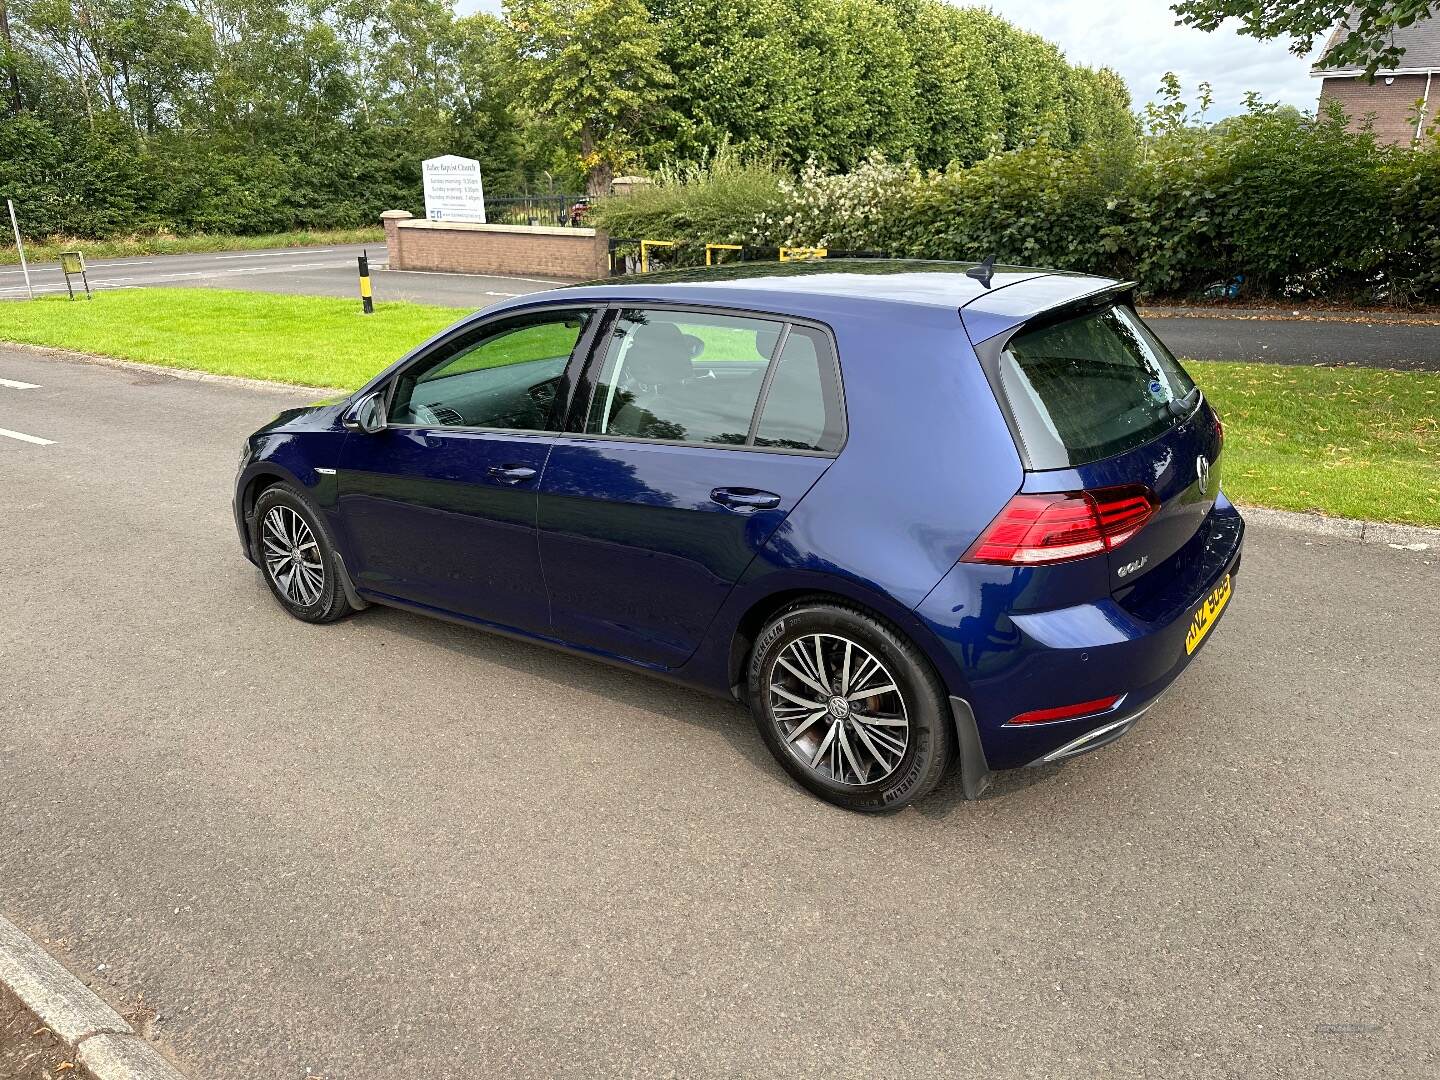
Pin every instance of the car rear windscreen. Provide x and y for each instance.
(1089, 387)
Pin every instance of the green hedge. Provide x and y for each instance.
(1302, 206)
(71, 180)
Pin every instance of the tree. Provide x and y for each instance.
(742, 80)
(961, 116)
(7, 58)
(594, 67)
(1367, 44)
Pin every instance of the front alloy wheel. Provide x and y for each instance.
(292, 556)
(297, 556)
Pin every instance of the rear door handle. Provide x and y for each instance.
(511, 474)
(745, 500)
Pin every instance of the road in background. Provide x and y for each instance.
(1379, 344)
(296, 271)
(331, 272)
(393, 847)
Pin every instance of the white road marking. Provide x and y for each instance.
(19, 290)
(13, 385)
(140, 282)
(253, 270)
(455, 273)
(26, 438)
(114, 283)
(273, 254)
(89, 266)
(95, 286)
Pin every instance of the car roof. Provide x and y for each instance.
(825, 288)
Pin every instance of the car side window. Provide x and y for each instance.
(504, 375)
(682, 376)
(802, 409)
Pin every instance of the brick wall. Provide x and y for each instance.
(1391, 104)
(520, 250)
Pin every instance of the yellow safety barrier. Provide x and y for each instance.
(802, 254)
(645, 246)
(720, 247)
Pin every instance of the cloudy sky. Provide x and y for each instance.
(1140, 40)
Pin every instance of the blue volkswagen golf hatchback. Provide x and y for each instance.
(914, 515)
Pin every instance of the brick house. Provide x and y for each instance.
(1390, 99)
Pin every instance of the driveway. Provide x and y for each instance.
(396, 848)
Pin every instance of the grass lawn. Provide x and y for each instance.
(1352, 442)
(313, 340)
(48, 249)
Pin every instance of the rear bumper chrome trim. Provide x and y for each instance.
(1092, 740)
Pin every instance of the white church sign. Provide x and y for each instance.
(453, 189)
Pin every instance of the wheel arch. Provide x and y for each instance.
(263, 477)
(760, 611)
(266, 476)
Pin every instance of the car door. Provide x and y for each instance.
(439, 506)
(693, 435)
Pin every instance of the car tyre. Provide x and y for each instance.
(297, 557)
(867, 751)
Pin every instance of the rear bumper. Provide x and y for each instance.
(1095, 738)
(975, 771)
(1077, 653)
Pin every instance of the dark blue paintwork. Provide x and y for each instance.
(423, 521)
(637, 555)
(616, 549)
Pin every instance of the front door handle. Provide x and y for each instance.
(511, 474)
(745, 500)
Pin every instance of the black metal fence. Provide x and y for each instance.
(537, 210)
(635, 256)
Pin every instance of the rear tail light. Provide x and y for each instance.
(1034, 530)
(1066, 712)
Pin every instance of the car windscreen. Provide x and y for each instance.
(1090, 387)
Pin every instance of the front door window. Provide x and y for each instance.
(503, 376)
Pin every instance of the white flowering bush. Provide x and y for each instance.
(853, 211)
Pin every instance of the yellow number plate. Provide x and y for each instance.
(1206, 614)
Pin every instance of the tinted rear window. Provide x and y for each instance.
(1089, 387)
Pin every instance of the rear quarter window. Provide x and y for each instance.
(802, 408)
(1089, 387)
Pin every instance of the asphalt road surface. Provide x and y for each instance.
(332, 272)
(1380, 344)
(297, 271)
(392, 847)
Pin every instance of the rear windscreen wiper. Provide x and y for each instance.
(1183, 406)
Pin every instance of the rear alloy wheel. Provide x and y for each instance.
(839, 709)
(849, 708)
(298, 557)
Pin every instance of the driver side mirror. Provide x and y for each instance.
(369, 415)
